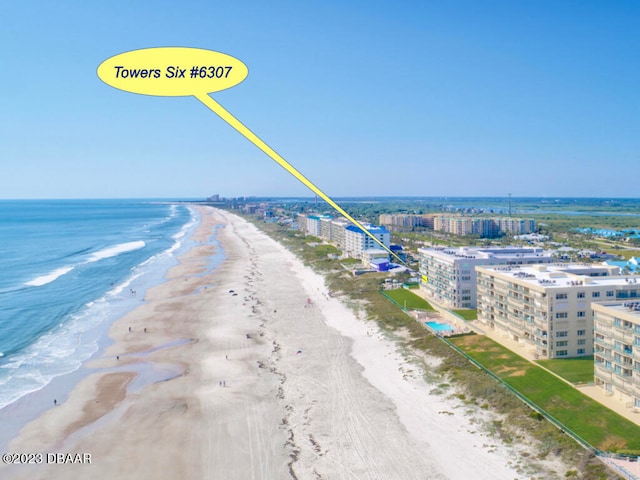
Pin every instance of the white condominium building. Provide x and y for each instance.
(357, 242)
(312, 225)
(617, 347)
(324, 227)
(548, 308)
(338, 230)
(449, 277)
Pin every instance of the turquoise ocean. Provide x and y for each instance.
(68, 269)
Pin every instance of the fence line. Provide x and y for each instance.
(599, 453)
(528, 402)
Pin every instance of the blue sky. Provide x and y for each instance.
(460, 98)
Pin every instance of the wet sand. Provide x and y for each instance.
(253, 371)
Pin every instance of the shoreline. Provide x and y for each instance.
(94, 338)
(260, 374)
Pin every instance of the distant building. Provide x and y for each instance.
(377, 258)
(548, 308)
(483, 227)
(405, 221)
(357, 242)
(532, 237)
(347, 237)
(617, 348)
(380, 264)
(448, 273)
(313, 225)
(338, 231)
(250, 208)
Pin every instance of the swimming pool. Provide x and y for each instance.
(439, 327)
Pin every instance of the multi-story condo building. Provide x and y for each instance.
(617, 347)
(484, 227)
(406, 220)
(357, 242)
(347, 237)
(449, 277)
(323, 226)
(517, 226)
(326, 224)
(312, 225)
(338, 230)
(547, 308)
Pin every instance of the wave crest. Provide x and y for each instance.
(108, 252)
(116, 250)
(49, 277)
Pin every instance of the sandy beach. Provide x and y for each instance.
(253, 371)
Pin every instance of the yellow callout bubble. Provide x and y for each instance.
(184, 71)
(172, 71)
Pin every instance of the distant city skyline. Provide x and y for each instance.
(535, 99)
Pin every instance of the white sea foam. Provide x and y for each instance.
(49, 277)
(61, 350)
(108, 252)
(65, 348)
(116, 250)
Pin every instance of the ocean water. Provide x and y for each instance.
(68, 269)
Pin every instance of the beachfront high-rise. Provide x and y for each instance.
(350, 239)
(548, 308)
(448, 275)
(617, 347)
(324, 227)
(357, 242)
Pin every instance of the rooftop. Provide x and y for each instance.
(622, 307)
(371, 228)
(564, 275)
(487, 252)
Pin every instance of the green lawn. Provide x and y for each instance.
(408, 299)
(574, 370)
(626, 253)
(467, 314)
(596, 424)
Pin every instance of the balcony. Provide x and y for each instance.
(603, 353)
(603, 373)
(624, 336)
